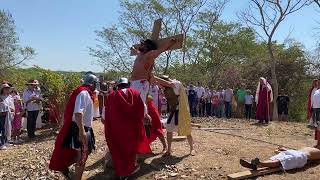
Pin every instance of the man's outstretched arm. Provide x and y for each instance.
(165, 47)
(162, 82)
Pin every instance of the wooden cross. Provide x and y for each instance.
(160, 42)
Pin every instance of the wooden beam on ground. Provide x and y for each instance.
(179, 138)
(251, 173)
(213, 129)
(196, 125)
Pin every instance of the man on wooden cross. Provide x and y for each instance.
(147, 51)
(143, 65)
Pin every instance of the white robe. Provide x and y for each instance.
(154, 92)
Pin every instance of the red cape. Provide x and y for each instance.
(124, 130)
(64, 157)
(156, 127)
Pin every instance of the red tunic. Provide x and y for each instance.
(124, 130)
(156, 127)
(63, 157)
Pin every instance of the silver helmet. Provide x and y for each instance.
(123, 81)
(90, 79)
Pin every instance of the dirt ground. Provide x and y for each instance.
(217, 155)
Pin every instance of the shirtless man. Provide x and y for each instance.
(143, 65)
(286, 159)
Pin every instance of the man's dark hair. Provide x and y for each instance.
(151, 45)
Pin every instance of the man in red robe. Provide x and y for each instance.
(124, 128)
(75, 140)
(156, 126)
(264, 96)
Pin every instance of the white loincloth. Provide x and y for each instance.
(142, 86)
(291, 159)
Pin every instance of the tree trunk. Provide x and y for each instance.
(274, 81)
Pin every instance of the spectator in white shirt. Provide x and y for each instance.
(248, 104)
(32, 100)
(228, 94)
(316, 109)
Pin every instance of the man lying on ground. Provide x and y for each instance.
(287, 159)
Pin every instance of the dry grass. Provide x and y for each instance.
(217, 156)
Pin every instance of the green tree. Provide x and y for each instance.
(11, 53)
(267, 15)
(135, 23)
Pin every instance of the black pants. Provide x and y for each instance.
(3, 138)
(208, 109)
(193, 108)
(227, 109)
(202, 107)
(316, 116)
(72, 138)
(31, 123)
(247, 112)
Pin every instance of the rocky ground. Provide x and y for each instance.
(218, 153)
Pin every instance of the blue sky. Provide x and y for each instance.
(62, 30)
